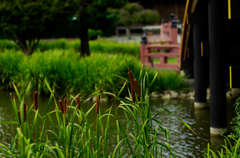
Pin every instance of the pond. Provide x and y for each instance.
(184, 142)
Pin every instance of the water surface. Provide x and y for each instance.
(184, 142)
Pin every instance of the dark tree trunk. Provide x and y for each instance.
(27, 45)
(83, 31)
(84, 40)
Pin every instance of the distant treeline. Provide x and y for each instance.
(67, 31)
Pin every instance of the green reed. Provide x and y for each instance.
(141, 130)
(72, 135)
(230, 149)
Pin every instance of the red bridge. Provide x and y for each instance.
(162, 47)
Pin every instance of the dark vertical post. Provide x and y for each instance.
(163, 21)
(217, 16)
(200, 66)
(142, 47)
(174, 32)
(171, 17)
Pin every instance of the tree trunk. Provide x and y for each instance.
(27, 45)
(83, 31)
(84, 40)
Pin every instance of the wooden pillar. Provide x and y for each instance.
(217, 15)
(201, 65)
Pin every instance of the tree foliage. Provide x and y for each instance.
(147, 16)
(23, 21)
(134, 13)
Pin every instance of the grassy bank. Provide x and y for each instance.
(100, 45)
(67, 73)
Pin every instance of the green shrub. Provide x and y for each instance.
(6, 44)
(67, 72)
(236, 120)
(10, 68)
(93, 34)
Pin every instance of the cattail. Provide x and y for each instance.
(135, 85)
(61, 105)
(130, 75)
(35, 97)
(65, 105)
(78, 102)
(25, 111)
(97, 104)
(133, 95)
(19, 117)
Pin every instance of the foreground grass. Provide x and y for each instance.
(100, 45)
(67, 73)
(226, 150)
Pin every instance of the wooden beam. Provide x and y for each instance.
(194, 18)
(170, 46)
(169, 55)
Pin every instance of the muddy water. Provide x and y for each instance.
(184, 142)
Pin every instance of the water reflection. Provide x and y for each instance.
(184, 142)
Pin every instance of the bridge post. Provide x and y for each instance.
(217, 15)
(142, 48)
(173, 32)
(201, 65)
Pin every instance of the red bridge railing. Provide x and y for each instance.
(162, 47)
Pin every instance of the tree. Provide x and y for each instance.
(23, 21)
(134, 13)
(94, 14)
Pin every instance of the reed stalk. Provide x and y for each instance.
(25, 111)
(133, 95)
(78, 103)
(19, 117)
(35, 97)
